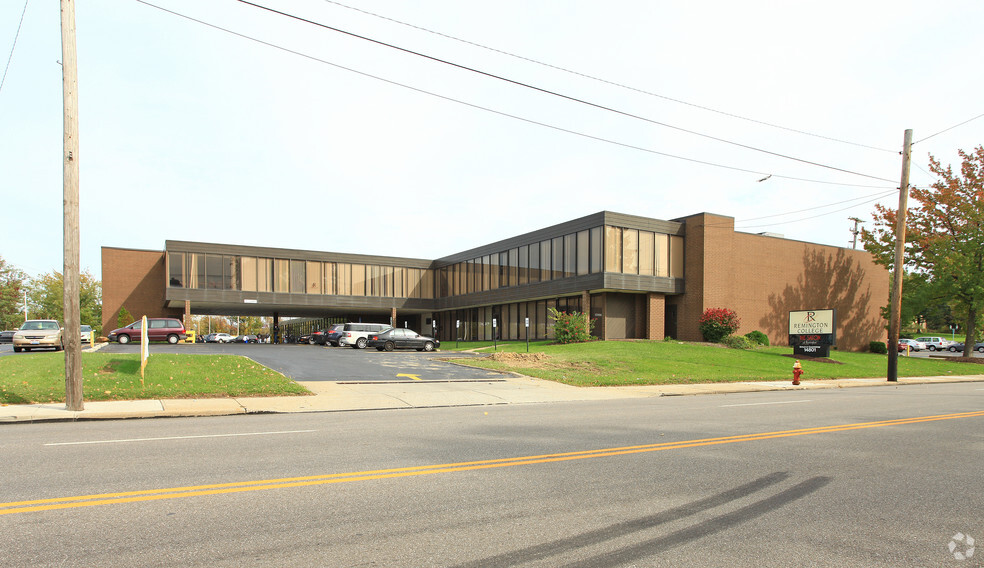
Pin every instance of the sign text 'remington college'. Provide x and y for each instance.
(812, 332)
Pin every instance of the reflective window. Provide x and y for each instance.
(248, 264)
(175, 269)
(647, 253)
(583, 251)
(557, 264)
(613, 249)
(597, 248)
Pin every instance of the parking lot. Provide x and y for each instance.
(341, 364)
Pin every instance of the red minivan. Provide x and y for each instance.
(158, 329)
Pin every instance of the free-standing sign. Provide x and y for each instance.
(812, 332)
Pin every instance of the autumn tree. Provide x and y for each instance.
(44, 298)
(944, 237)
(12, 282)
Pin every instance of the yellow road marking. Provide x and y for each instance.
(261, 485)
(414, 377)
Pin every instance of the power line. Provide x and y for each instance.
(606, 81)
(493, 111)
(560, 95)
(948, 129)
(16, 35)
(816, 216)
(878, 196)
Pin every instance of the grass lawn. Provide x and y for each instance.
(40, 377)
(612, 363)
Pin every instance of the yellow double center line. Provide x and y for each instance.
(262, 485)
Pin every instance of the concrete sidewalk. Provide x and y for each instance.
(340, 396)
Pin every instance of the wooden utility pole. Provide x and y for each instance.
(71, 338)
(854, 232)
(896, 307)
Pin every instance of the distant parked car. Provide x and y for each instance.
(401, 338)
(356, 335)
(158, 329)
(304, 338)
(333, 333)
(86, 334)
(36, 334)
(958, 347)
(222, 338)
(934, 343)
(911, 344)
(7, 336)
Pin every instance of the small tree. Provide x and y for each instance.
(718, 323)
(124, 318)
(571, 327)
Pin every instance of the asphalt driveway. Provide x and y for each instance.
(339, 364)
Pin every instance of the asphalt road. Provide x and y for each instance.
(850, 478)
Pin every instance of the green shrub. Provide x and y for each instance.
(877, 347)
(737, 342)
(718, 323)
(758, 337)
(571, 327)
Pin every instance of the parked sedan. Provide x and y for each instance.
(911, 344)
(958, 347)
(34, 334)
(86, 333)
(7, 336)
(401, 338)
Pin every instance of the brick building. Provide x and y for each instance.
(636, 277)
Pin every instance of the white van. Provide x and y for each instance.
(356, 335)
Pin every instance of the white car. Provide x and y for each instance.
(86, 333)
(934, 343)
(912, 344)
(224, 338)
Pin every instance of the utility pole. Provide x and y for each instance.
(854, 232)
(71, 339)
(896, 307)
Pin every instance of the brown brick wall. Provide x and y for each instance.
(763, 278)
(135, 279)
(656, 317)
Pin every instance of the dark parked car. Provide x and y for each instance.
(158, 329)
(334, 332)
(7, 336)
(400, 338)
(959, 347)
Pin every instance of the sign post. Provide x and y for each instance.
(495, 347)
(527, 335)
(812, 332)
(457, 332)
(144, 348)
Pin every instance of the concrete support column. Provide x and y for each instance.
(275, 332)
(187, 314)
(393, 317)
(586, 309)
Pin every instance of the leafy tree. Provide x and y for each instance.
(944, 236)
(12, 282)
(46, 293)
(123, 318)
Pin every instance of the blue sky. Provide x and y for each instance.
(191, 133)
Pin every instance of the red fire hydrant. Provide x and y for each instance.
(797, 372)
